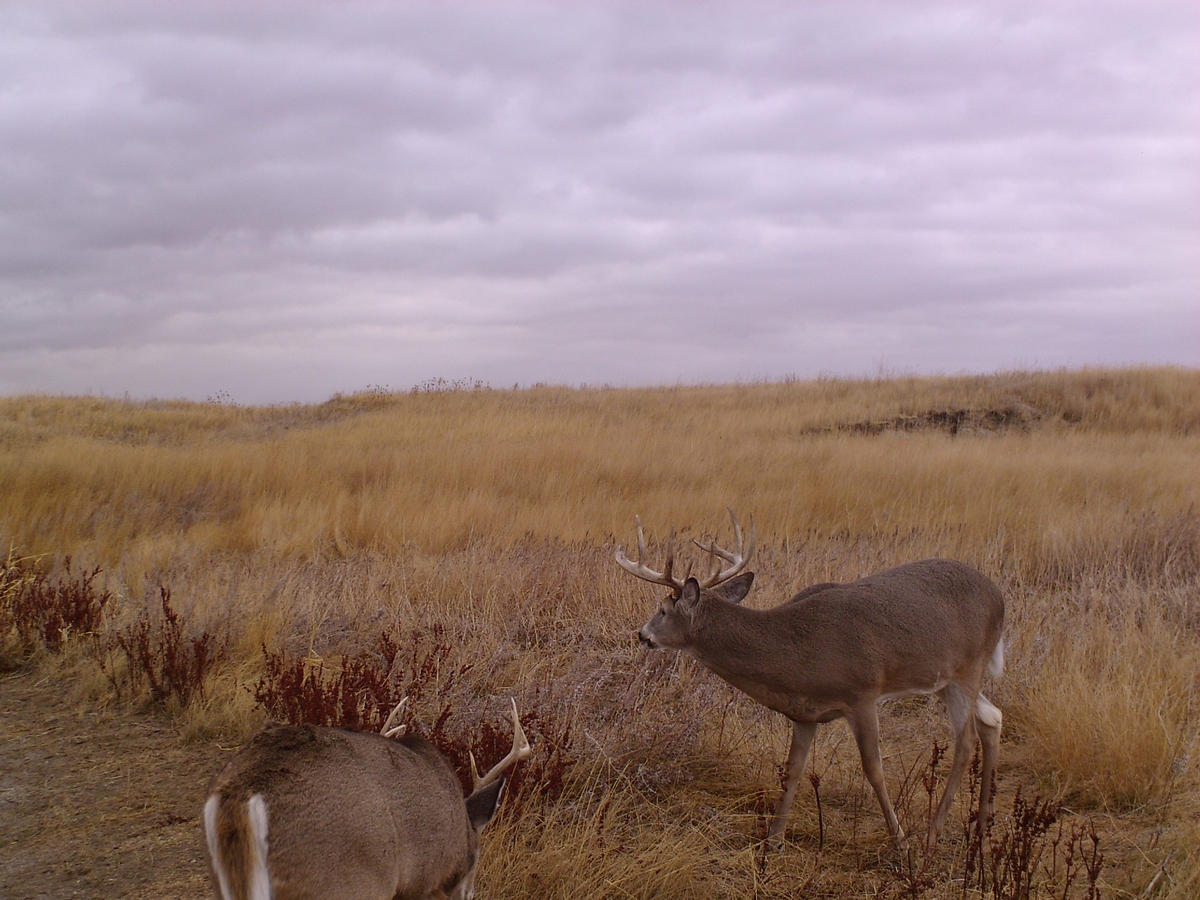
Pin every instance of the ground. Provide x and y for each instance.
(96, 805)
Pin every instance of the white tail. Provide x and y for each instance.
(308, 812)
(835, 650)
(240, 867)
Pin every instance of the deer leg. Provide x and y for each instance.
(864, 723)
(960, 704)
(987, 723)
(802, 738)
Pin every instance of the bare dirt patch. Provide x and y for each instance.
(96, 804)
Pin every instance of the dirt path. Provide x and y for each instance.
(93, 804)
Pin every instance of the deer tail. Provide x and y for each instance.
(995, 665)
(236, 835)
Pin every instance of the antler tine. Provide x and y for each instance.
(644, 572)
(738, 560)
(398, 712)
(520, 750)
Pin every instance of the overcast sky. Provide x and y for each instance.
(278, 201)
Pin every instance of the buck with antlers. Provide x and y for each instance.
(836, 650)
(305, 812)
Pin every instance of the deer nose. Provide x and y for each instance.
(645, 641)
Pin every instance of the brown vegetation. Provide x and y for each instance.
(484, 522)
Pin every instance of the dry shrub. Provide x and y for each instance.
(157, 652)
(1027, 862)
(356, 691)
(533, 785)
(164, 656)
(44, 611)
(360, 690)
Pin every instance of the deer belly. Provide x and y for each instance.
(908, 692)
(797, 708)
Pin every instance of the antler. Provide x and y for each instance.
(520, 750)
(387, 730)
(739, 559)
(644, 572)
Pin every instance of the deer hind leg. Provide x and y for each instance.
(864, 723)
(960, 704)
(802, 738)
(987, 723)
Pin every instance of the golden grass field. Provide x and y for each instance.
(494, 514)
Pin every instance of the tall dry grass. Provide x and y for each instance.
(126, 481)
(494, 514)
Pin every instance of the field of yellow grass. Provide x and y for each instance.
(489, 520)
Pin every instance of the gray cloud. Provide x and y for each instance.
(286, 200)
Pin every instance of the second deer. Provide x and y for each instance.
(835, 651)
(313, 813)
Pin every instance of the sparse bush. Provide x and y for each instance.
(47, 612)
(164, 657)
(360, 692)
(221, 398)
(1017, 859)
(1018, 845)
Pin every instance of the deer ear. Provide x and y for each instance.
(689, 596)
(481, 805)
(735, 589)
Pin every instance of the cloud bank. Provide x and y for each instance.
(280, 201)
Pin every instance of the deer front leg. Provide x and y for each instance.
(802, 738)
(864, 723)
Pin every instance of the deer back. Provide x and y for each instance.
(907, 629)
(350, 814)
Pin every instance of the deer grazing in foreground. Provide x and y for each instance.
(836, 650)
(312, 813)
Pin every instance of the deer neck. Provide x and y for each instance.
(731, 642)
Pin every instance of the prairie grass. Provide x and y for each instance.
(493, 515)
(1113, 707)
(439, 470)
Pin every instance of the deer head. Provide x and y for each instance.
(672, 625)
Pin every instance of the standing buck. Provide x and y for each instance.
(310, 813)
(836, 650)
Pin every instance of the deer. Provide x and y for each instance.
(836, 650)
(305, 812)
